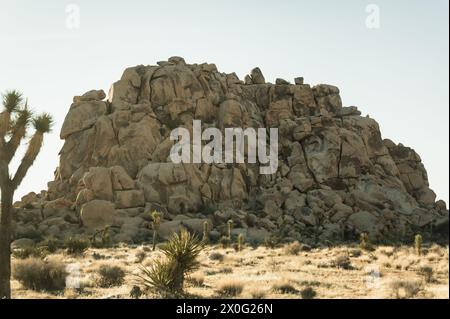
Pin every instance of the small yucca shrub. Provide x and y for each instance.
(168, 275)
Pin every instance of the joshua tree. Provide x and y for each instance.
(205, 231)
(229, 228)
(14, 122)
(156, 217)
(418, 244)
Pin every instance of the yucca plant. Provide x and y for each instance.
(168, 275)
(14, 123)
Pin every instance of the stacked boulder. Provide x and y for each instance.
(336, 177)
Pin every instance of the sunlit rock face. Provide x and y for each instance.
(336, 176)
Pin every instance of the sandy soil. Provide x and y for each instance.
(339, 272)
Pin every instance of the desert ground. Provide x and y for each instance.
(283, 272)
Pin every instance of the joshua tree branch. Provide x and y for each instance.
(32, 152)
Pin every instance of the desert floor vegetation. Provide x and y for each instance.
(261, 272)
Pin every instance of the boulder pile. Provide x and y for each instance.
(337, 177)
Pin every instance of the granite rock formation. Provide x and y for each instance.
(337, 176)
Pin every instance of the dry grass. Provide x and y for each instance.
(372, 274)
(230, 288)
(37, 274)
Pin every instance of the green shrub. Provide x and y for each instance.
(284, 288)
(225, 242)
(364, 242)
(76, 246)
(427, 273)
(272, 242)
(50, 244)
(110, 276)
(27, 252)
(36, 274)
(216, 256)
(308, 293)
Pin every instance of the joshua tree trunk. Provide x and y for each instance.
(5, 243)
(14, 121)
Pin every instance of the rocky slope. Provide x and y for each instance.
(336, 178)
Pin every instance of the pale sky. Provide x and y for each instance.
(398, 73)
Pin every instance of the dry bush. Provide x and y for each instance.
(37, 274)
(342, 262)
(196, 280)
(76, 246)
(384, 261)
(427, 273)
(226, 270)
(230, 288)
(284, 287)
(387, 251)
(257, 293)
(355, 253)
(405, 289)
(216, 256)
(110, 276)
(293, 248)
(140, 256)
(308, 293)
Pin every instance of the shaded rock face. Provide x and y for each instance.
(336, 176)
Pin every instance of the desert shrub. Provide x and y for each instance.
(50, 244)
(110, 276)
(226, 270)
(272, 242)
(135, 292)
(427, 273)
(32, 251)
(230, 288)
(292, 248)
(140, 256)
(405, 289)
(284, 287)
(101, 238)
(37, 274)
(308, 293)
(355, 252)
(76, 246)
(216, 256)
(196, 280)
(343, 262)
(167, 276)
(257, 293)
(225, 241)
(364, 242)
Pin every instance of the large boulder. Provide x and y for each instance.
(97, 214)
